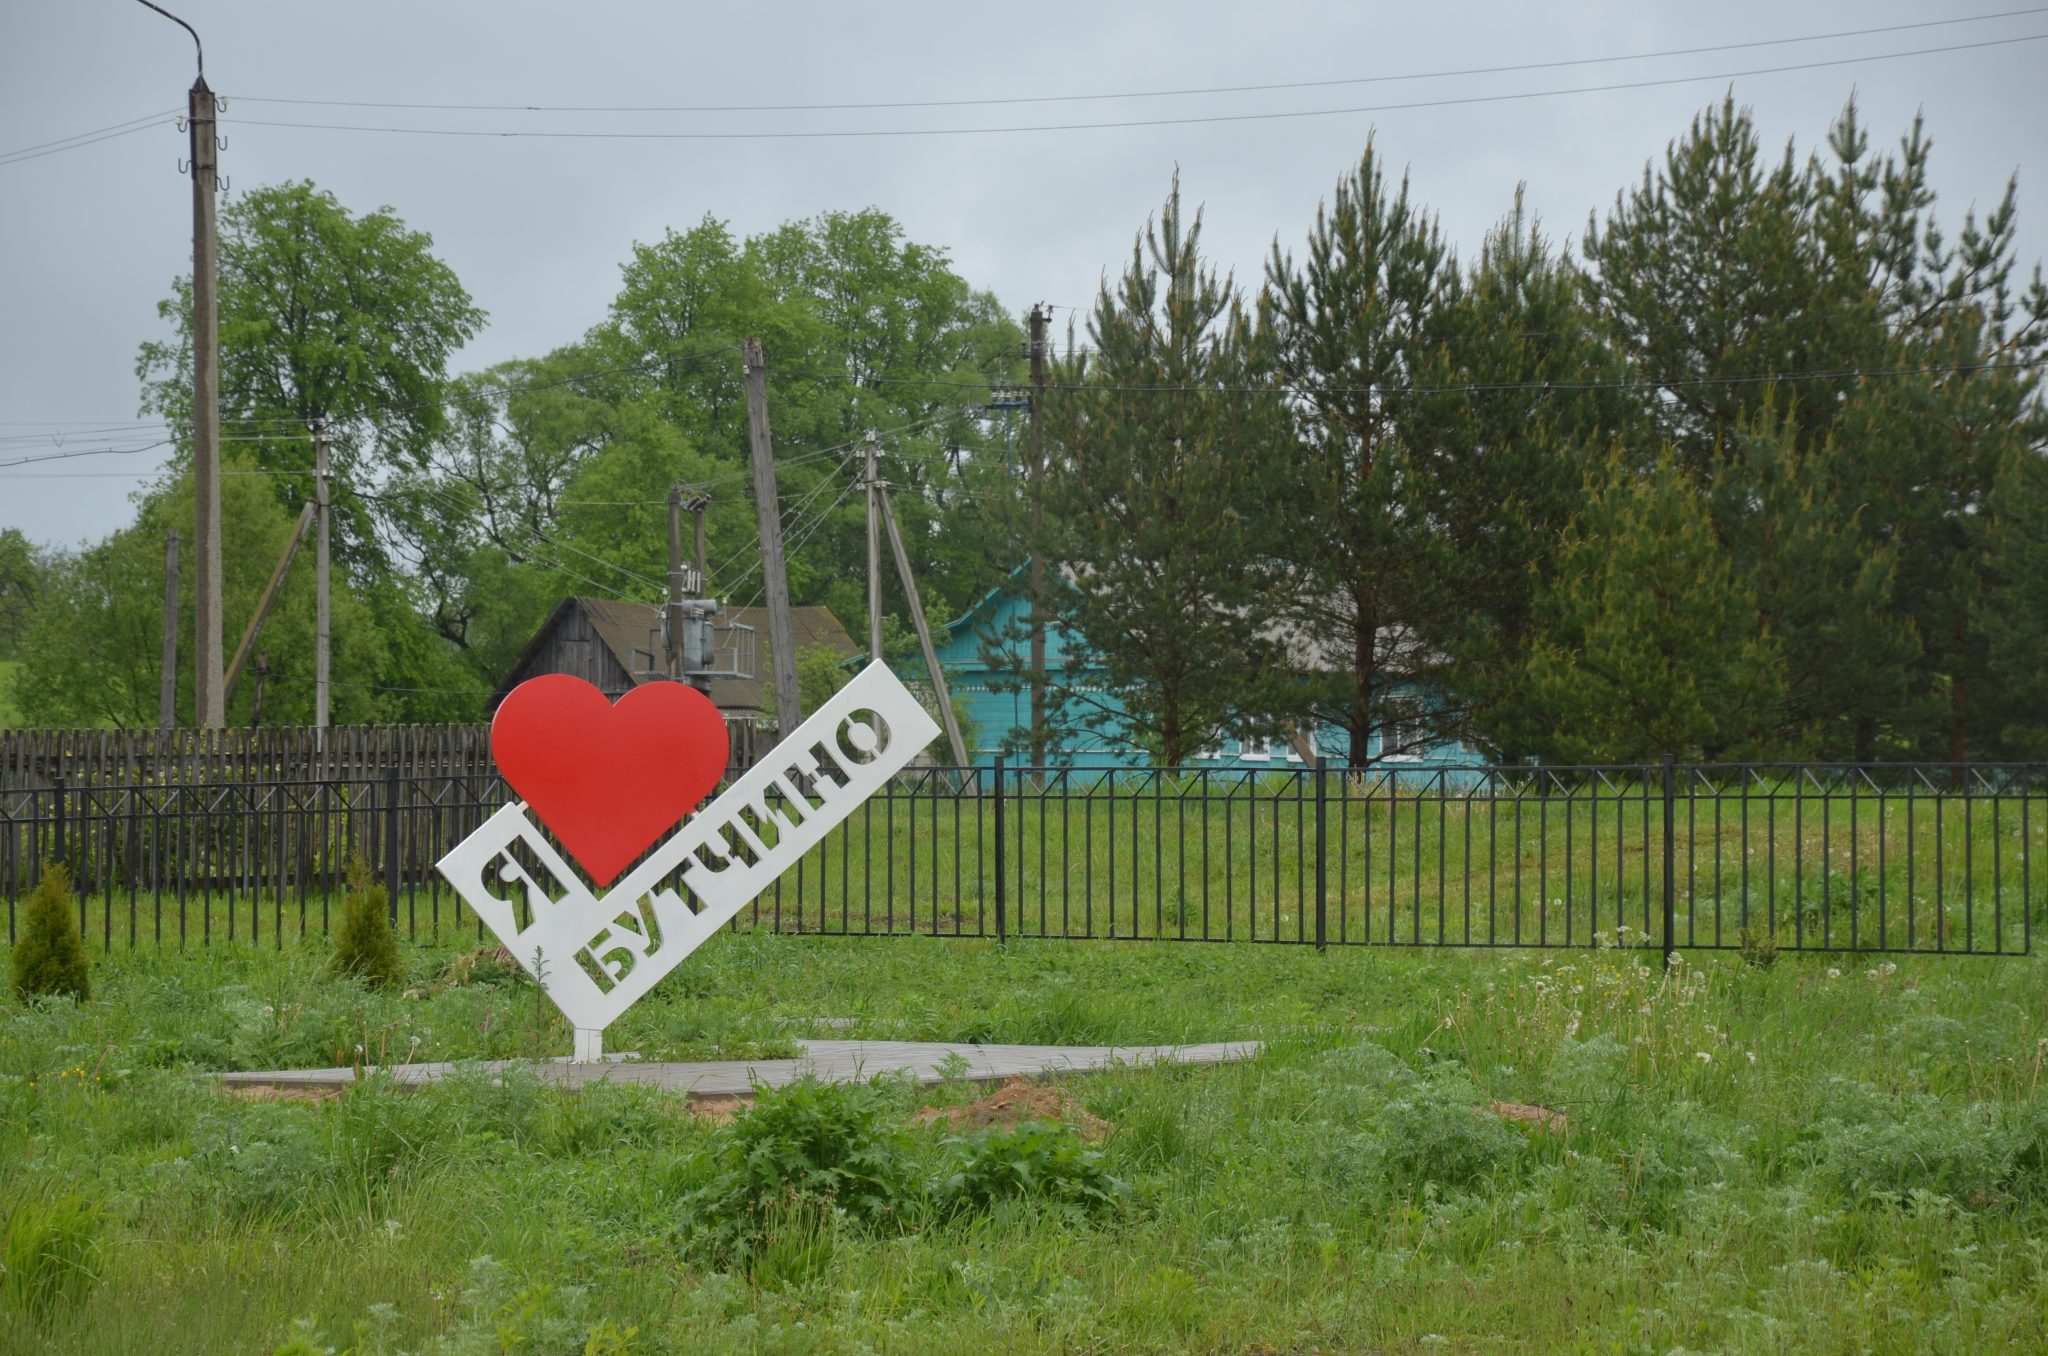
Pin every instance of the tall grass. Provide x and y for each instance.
(1829, 1154)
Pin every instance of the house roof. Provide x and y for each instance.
(1306, 648)
(626, 627)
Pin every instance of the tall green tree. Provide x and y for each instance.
(325, 317)
(91, 652)
(863, 329)
(2012, 611)
(1535, 408)
(22, 568)
(1154, 502)
(1651, 642)
(1359, 330)
(1817, 307)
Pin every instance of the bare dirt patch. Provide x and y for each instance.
(263, 1092)
(1012, 1104)
(717, 1110)
(1535, 1117)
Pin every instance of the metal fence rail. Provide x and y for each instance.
(1907, 858)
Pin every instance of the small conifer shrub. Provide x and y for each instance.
(49, 959)
(366, 947)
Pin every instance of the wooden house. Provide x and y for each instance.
(997, 709)
(616, 646)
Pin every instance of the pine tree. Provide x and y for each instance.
(1539, 408)
(1813, 315)
(1160, 458)
(1352, 329)
(49, 959)
(1651, 642)
(365, 947)
(2013, 614)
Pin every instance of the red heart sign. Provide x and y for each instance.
(608, 779)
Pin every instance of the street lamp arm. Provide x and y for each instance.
(188, 28)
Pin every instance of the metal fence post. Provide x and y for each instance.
(57, 786)
(1670, 860)
(1322, 864)
(391, 841)
(1002, 916)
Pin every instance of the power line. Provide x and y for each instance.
(137, 475)
(446, 492)
(799, 539)
(72, 143)
(1386, 388)
(749, 553)
(841, 133)
(87, 452)
(1542, 387)
(1149, 94)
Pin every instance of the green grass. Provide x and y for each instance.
(1829, 1154)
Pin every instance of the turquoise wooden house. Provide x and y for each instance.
(994, 718)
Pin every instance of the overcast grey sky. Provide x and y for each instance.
(536, 228)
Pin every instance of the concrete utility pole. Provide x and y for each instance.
(774, 574)
(167, 693)
(675, 581)
(1040, 317)
(322, 674)
(873, 480)
(208, 688)
(698, 507)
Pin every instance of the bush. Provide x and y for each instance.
(50, 957)
(263, 1162)
(1036, 1161)
(50, 1255)
(1434, 1137)
(365, 946)
(802, 1148)
(1923, 1145)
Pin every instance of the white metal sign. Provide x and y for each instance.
(596, 955)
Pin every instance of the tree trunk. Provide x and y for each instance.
(1364, 675)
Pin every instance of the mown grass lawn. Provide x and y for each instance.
(1838, 1154)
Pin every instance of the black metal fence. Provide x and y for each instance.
(1934, 858)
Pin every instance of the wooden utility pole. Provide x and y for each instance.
(208, 689)
(873, 481)
(268, 601)
(167, 691)
(774, 573)
(322, 617)
(262, 675)
(1039, 319)
(924, 631)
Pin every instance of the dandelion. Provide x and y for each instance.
(1834, 973)
(1704, 1056)
(1751, 1054)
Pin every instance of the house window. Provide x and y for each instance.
(1256, 748)
(1403, 736)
